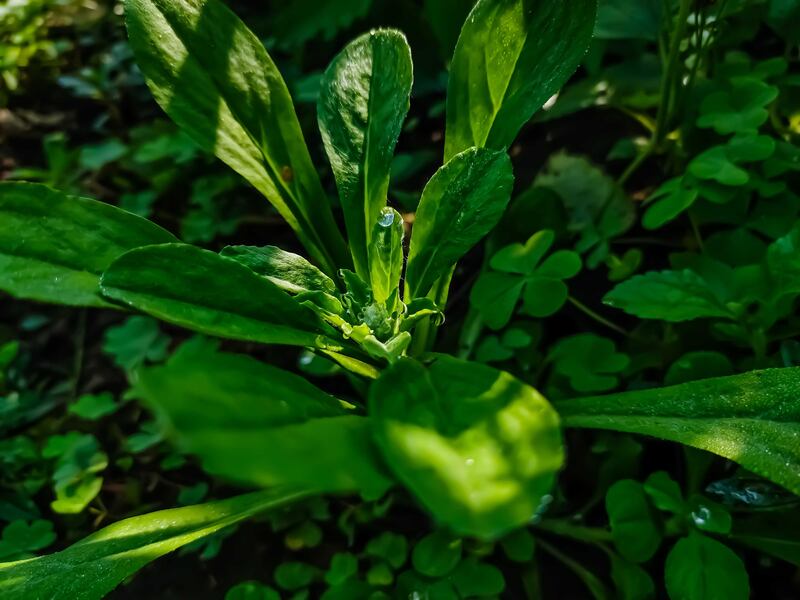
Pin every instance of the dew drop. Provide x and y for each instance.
(701, 516)
(387, 217)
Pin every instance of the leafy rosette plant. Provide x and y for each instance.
(479, 449)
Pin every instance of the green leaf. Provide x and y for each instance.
(668, 201)
(290, 272)
(389, 546)
(511, 56)
(590, 362)
(251, 590)
(523, 259)
(636, 533)
(668, 295)
(621, 20)
(709, 516)
(772, 532)
(461, 203)
(386, 255)
(752, 419)
(478, 448)
(93, 407)
(260, 425)
(473, 578)
(203, 291)
(97, 564)
(214, 78)
(783, 262)
(437, 554)
(20, 538)
(54, 247)
(364, 98)
(495, 295)
(302, 20)
(664, 492)
(136, 341)
(632, 582)
(741, 108)
(699, 568)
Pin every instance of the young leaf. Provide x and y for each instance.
(54, 247)
(752, 419)
(511, 56)
(93, 567)
(203, 291)
(700, 568)
(386, 254)
(461, 203)
(477, 447)
(290, 272)
(260, 425)
(214, 78)
(668, 295)
(364, 98)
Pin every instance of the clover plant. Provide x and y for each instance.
(478, 448)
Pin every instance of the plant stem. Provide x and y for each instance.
(671, 74)
(580, 533)
(602, 320)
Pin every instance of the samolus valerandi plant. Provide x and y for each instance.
(478, 448)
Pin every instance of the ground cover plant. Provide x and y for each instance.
(450, 410)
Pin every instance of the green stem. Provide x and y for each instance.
(593, 315)
(581, 533)
(671, 74)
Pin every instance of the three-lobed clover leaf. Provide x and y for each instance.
(519, 271)
(591, 363)
(740, 108)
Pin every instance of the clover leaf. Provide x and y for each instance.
(519, 271)
(741, 108)
(591, 363)
(20, 538)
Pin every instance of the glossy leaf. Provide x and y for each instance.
(700, 568)
(54, 247)
(93, 567)
(203, 291)
(461, 203)
(752, 419)
(214, 78)
(262, 426)
(290, 272)
(478, 448)
(511, 56)
(386, 254)
(364, 98)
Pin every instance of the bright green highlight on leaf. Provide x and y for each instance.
(54, 247)
(752, 419)
(363, 102)
(94, 566)
(479, 448)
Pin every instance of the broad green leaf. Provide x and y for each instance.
(290, 272)
(214, 78)
(668, 295)
(495, 296)
(752, 419)
(206, 292)
(511, 56)
(54, 247)
(668, 201)
(461, 203)
(386, 254)
(364, 98)
(636, 533)
(479, 448)
(632, 582)
(93, 567)
(262, 426)
(700, 568)
(136, 341)
(302, 20)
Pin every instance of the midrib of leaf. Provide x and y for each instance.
(365, 166)
(288, 198)
(497, 106)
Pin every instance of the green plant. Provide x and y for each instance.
(477, 447)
